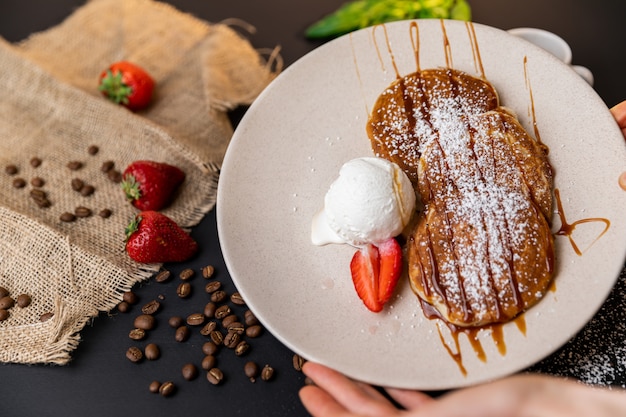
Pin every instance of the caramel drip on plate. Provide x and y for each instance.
(567, 229)
(478, 62)
(446, 45)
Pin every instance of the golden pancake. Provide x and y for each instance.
(481, 251)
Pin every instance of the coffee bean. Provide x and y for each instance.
(67, 217)
(212, 286)
(82, 212)
(298, 362)
(208, 328)
(242, 348)
(114, 175)
(182, 334)
(167, 389)
(228, 320)
(46, 316)
(250, 319)
(151, 307)
(209, 310)
(210, 348)
(189, 371)
(134, 354)
(145, 322)
(3, 292)
(222, 311)
(251, 369)
(195, 319)
(207, 271)
(215, 376)
(208, 362)
(107, 166)
(154, 387)
(237, 299)
(37, 182)
(19, 183)
(6, 302)
(87, 190)
(163, 276)
(236, 327)
(92, 149)
(105, 213)
(74, 165)
(137, 334)
(130, 297)
(123, 307)
(186, 274)
(11, 169)
(231, 340)
(77, 184)
(267, 373)
(152, 351)
(218, 296)
(217, 337)
(254, 331)
(35, 162)
(4, 314)
(23, 300)
(183, 290)
(175, 322)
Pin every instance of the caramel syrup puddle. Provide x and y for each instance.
(496, 329)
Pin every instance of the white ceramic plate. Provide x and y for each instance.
(290, 145)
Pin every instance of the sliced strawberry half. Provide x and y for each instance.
(375, 272)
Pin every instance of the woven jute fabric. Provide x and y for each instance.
(52, 112)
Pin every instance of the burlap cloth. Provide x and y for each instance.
(51, 110)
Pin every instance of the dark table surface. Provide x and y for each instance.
(100, 381)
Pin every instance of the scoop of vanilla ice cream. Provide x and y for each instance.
(371, 201)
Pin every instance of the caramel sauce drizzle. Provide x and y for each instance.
(567, 229)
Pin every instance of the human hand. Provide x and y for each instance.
(523, 395)
(619, 112)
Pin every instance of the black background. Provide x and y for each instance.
(100, 381)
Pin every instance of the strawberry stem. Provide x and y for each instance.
(115, 88)
(131, 188)
(132, 227)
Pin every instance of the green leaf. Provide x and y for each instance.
(358, 14)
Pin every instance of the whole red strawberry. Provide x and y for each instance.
(127, 84)
(151, 185)
(152, 237)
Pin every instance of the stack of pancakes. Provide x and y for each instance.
(481, 251)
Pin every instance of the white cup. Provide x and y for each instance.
(554, 44)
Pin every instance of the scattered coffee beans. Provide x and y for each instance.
(237, 299)
(151, 307)
(145, 322)
(167, 389)
(183, 290)
(23, 300)
(19, 183)
(163, 276)
(182, 334)
(37, 182)
(11, 169)
(74, 165)
(208, 362)
(6, 302)
(207, 271)
(212, 286)
(46, 316)
(123, 307)
(82, 212)
(154, 387)
(35, 162)
(3, 292)
(186, 274)
(67, 217)
(251, 369)
(298, 362)
(92, 149)
(105, 213)
(218, 296)
(175, 322)
(267, 373)
(195, 319)
(152, 352)
(215, 376)
(210, 348)
(130, 297)
(4, 314)
(189, 371)
(134, 354)
(137, 334)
